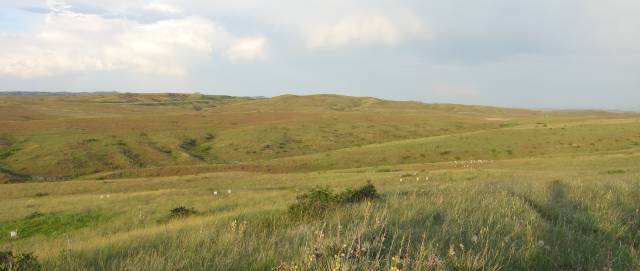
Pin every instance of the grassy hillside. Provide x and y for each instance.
(54, 138)
(196, 182)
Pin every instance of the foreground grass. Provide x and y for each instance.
(509, 215)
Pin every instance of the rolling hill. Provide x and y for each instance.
(66, 137)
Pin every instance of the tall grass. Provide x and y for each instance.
(443, 225)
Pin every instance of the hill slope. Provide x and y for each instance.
(62, 137)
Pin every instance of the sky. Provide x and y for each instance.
(517, 53)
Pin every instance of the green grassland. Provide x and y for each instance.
(90, 182)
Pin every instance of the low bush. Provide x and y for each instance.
(366, 192)
(318, 201)
(181, 212)
(315, 202)
(22, 262)
(188, 143)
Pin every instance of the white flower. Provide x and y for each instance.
(541, 243)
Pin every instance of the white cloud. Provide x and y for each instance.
(75, 42)
(247, 49)
(357, 30)
(163, 7)
(363, 30)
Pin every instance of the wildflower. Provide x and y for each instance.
(13, 234)
(395, 263)
(229, 191)
(233, 225)
(474, 239)
(452, 251)
(462, 247)
(215, 193)
(541, 243)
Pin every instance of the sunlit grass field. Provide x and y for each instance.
(462, 188)
(509, 215)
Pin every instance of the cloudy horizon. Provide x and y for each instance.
(533, 54)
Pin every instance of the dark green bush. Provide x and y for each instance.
(314, 203)
(181, 212)
(188, 143)
(22, 262)
(366, 192)
(318, 201)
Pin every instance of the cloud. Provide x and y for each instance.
(357, 30)
(508, 52)
(163, 7)
(76, 42)
(363, 30)
(247, 49)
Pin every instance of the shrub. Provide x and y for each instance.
(314, 203)
(320, 200)
(364, 193)
(22, 262)
(181, 212)
(188, 143)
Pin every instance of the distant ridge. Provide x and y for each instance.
(45, 93)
